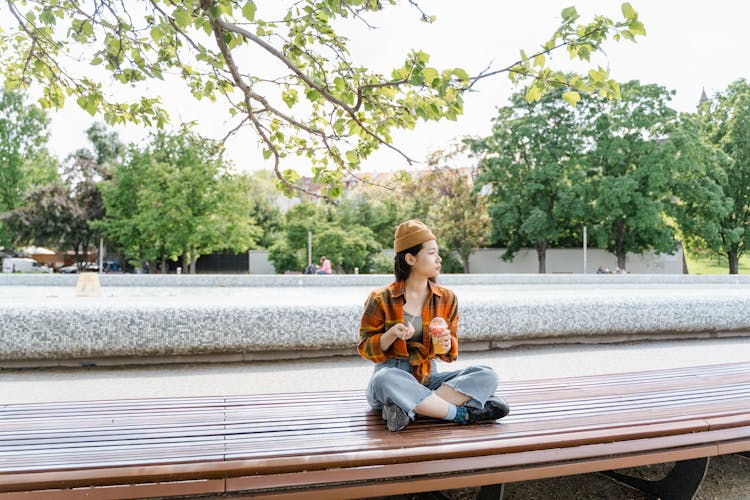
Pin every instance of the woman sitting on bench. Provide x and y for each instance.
(394, 334)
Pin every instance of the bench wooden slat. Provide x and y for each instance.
(407, 465)
(264, 444)
(239, 443)
(285, 441)
(244, 422)
(189, 413)
(545, 385)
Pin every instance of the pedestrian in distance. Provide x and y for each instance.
(325, 266)
(395, 333)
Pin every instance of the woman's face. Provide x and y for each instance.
(427, 261)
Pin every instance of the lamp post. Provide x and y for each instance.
(309, 248)
(585, 256)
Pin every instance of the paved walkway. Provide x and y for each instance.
(17, 386)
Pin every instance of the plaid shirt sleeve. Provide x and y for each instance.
(371, 327)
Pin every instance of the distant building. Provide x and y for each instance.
(703, 97)
(355, 183)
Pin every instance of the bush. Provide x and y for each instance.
(284, 259)
(381, 263)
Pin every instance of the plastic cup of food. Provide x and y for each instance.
(437, 327)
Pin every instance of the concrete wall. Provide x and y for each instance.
(259, 263)
(570, 260)
(141, 319)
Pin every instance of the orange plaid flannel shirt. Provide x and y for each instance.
(385, 307)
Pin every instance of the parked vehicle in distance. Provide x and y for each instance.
(85, 267)
(24, 265)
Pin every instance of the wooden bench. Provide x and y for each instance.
(331, 445)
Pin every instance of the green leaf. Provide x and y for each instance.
(570, 14)
(460, 74)
(352, 157)
(614, 87)
(181, 17)
(533, 94)
(430, 74)
(597, 76)
(289, 97)
(423, 57)
(637, 28)
(214, 11)
(628, 11)
(572, 97)
(539, 60)
(248, 11)
(339, 125)
(156, 34)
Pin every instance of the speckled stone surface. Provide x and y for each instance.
(372, 280)
(150, 316)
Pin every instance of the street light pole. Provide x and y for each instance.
(309, 248)
(585, 256)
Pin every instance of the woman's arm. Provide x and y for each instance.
(374, 339)
(397, 331)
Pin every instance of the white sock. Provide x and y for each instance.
(451, 412)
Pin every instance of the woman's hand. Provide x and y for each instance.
(402, 331)
(397, 331)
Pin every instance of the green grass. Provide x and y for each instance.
(714, 265)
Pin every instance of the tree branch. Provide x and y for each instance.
(223, 25)
(245, 88)
(542, 52)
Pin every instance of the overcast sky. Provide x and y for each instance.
(689, 45)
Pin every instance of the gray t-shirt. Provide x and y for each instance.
(416, 322)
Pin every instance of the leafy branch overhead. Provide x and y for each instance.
(291, 80)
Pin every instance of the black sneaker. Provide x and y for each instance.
(493, 409)
(395, 418)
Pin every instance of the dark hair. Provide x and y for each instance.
(401, 269)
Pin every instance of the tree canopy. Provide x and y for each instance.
(292, 80)
(174, 198)
(527, 163)
(725, 122)
(24, 160)
(630, 185)
(446, 200)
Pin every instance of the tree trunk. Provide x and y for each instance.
(685, 269)
(184, 262)
(76, 256)
(620, 244)
(541, 255)
(734, 261)
(193, 259)
(465, 262)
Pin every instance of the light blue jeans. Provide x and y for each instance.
(393, 383)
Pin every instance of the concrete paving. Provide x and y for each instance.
(339, 373)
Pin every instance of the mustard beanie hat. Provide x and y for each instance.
(411, 233)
